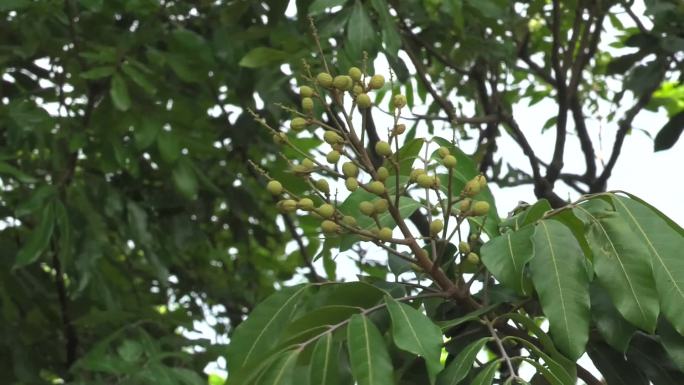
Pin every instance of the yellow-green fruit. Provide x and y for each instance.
(449, 161)
(399, 101)
(324, 79)
(339, 147)
(376, 82)
(306, 91)
(274, 187)
(287, 205)
(352, 184)
(464, 247)
(380, 205)
(480, 208)
(473, 237)
(436, 226)
(473, 258)
(472, 187)
(399, 129)
(425, 180)
(383, 148)
(279, 138)
(376, 187)
(308, 163)
(332, 137)
(343, 82)
(367, 208)
(350, 170)
(385, 234)
(329, 226)
(363, 100)
(326, 210)
(481, 180)
(413, 176)
(305, 204)
(355, 74)
(349, 220)
(464, 205)
(298, 124)
(307, 104)
(383, 173)
(333, 156)
(323, 186)
(300, 169)
(357, 89)
(442, 152)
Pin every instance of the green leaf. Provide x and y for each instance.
(139, 78)
(169, 146)
(98, 72)
(472, 316)
(406, 155)
(185, 179)
(262, 56)
(324, 368)
(119, 93)
(459, 367)
(560, 278)
(39, 239)
(254, 338)
(415, 333)
(390, 34)
(8, 169)
(145, 133)
(673, 343)
(319, 6)
(613, 366)
(368, 355)
(282, 370)
(614, 329)
(360, 31)
(506, 256)
(670, 133)
(486, 375)
(647, 355)
(665, 245)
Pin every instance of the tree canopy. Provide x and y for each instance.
(131, 215)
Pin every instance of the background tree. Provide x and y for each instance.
(130, 212)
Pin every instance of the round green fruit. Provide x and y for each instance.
(274, 187)
(376, 82)
(376, 187)
(326, 210)
(425, 180)
(332, 137)
(343, 82)
(367, 208)
(357, 89)
(436, 226)
(324, 79)
(464, 205)
(399, 129)
(279, 138)
(350, 170)
(385, 234)
(480, 208)
(481, 180)
(307, 104)
(442, 152)
(383, 148)
(472, 188)
(473, 258)
(352, 184)
(323, 186)
(308, 163)
(383, 173)
(380, 205)
(287, 205)
(332, 157)
(298, 124)
(449, 161)
(305, 204)
(399, 101)
(414, 174)
(306, 91)
(363, 100)
(464, 247)
(349, 221)
(355, 73)
(329, 226)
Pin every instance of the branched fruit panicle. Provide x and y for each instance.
(385, 234)
(367, 208)
(274, 187)
(383, 173)
(363, 100)
(350, 170)
(383, 148)
(326, 210)
(399, 101)
(306, 91)
(471, 188)
(329, 227)
(376, 82)
(442, 152)
(343, 82)
(333, 157)
(298, 124)
(351, 184)
(287, 205)
(307, 104)
(380, 206)
(376, 187)
(355, 73)
(464, 247)
(424, 180)
(324, 79)
(449, 161)
(480, 208)
(323, 186)
(332, 137)
(436, 226)
(305, 204)
(473, 258)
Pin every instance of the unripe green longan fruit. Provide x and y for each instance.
(480, 208)
(355, 74)
(376, 187)
(376, 82)
(380, 205)
(350, 170)
(383, 173)
(363, 100)
(352, 184)
(308, 163)
(367, 208)
(332, 137)
(436, 226)
(287, 205)
(326, 210)
(399, 101)
(442, 152)
(349, 220)
(481, 180)
(464, 205)
(449, 161)
(323, 186)
(383, 148)
(274, 187)
(357, 90)
(343, 82)
(279, 138)
(333, 156)
(385, 234)
(305, 204)
(298, 124)
(324, 79)
(307, 104)
(306, 91)
(399, 129)
(300, 169)
(329, 226)
(471, 188)
(424, 180)
(473, 258)
(413, 176)
(464, 247)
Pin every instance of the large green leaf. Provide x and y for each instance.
(360, 31)
(647, 355)
(390, 33)
(407, 155)
(368, 355)
(665, 245)
(325, 361)
(560, 278)
(613, 366)
(255, 337)
(614, 329)
(458, 369)
(282, 370)
(262, 56)
(622, 267)
(673, 343)
(506, 256)
(119, 93)
(414, 332)
(486, 375)
(39, 239)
